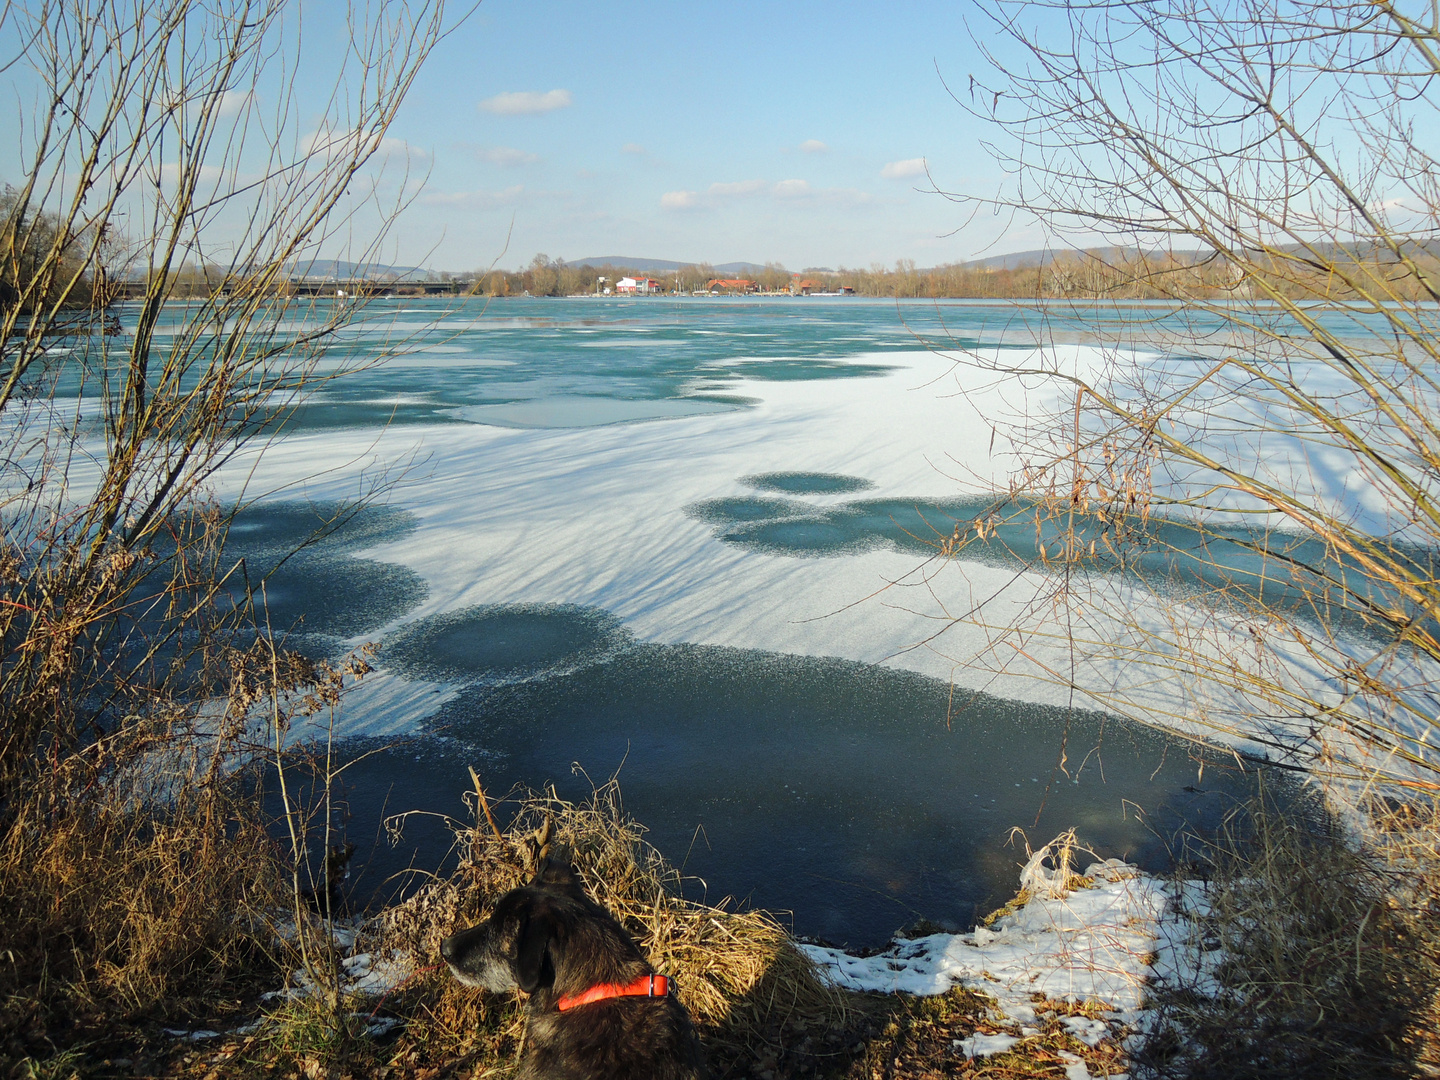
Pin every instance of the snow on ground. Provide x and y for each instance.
(1093, 943)
(1099, 938)
(1101, 941)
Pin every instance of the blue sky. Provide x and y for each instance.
(760, 131)
(792, 132)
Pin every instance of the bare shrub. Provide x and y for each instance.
(115, 912)
(1290, 426)
(1233, 496)
(158, 140)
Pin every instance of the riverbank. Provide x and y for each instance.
(369, 1000)
(1106, 972)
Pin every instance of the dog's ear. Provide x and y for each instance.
(533, 964)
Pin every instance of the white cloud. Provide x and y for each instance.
(505, 156)
(1381, 206)
(813, 146)
(232, 102)
(679, 200)
(632, 148)
(207, 179)
(390, 147)
(327, 147)
(899, 170)
(526, 102)
(793, 189)
(324, 142)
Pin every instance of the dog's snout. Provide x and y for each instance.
(457, 950)
(468, 953)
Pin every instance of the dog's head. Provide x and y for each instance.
(516, 947)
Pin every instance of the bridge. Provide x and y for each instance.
(317, 287)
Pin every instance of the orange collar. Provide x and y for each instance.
(644, 986)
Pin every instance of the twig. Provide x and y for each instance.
(485, 804)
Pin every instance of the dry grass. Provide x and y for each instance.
(140, 880)
(134, 866)
(113, 915)
(916, 1041)
(739, 973)
(1323, 959)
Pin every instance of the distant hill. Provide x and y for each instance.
(353, 271)
(660, 266)
(1019, 260)
(1015, 260)
(319, 269)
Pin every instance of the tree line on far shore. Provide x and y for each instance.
(1119, 274)
(1113, 274)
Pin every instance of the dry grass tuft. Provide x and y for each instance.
(1056, 880)
(1318, 959)
(115, 913)
(739, 973)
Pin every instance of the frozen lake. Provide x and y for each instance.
(692, 541)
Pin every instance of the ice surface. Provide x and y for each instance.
(672, 528)
(573, 411)
(598, 517)
(626, 519)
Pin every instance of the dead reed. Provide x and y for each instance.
(739, 972)
(135, 868)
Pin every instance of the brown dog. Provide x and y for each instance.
(596, 1009)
